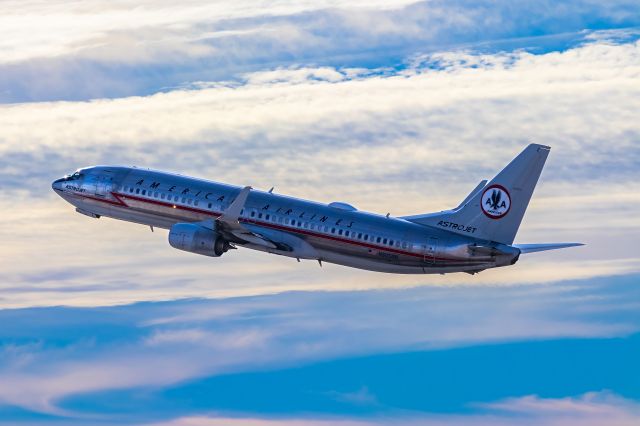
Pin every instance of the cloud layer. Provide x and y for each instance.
(588, 409)
(405, 141)
(61, 51)
(56, 360)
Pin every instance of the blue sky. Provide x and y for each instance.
(397, 107)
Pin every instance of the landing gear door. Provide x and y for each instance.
(430, 249)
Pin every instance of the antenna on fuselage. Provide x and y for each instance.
(271, 190)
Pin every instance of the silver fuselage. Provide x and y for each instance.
(335, 233)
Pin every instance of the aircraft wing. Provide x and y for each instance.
(228, 223)
(532, 248)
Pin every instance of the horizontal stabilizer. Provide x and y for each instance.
(532, 248)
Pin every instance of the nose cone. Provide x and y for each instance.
(56, 185)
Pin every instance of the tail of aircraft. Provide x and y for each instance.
(494, 211)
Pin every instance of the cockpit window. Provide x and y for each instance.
(75, 176)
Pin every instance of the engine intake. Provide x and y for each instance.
(197, 239)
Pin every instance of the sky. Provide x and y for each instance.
(399, 107)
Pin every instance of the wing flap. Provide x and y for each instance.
(253, 238)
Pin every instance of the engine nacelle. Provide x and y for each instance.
(197, 239)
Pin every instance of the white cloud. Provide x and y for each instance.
(594, 408)
(48, 29)
(59, 50)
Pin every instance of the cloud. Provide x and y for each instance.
(280, 107)
(57, 51)
(51, 356)
(588, 409)
(360, 397)
(593, 404)
(406, 141)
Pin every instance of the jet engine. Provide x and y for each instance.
(197, 239)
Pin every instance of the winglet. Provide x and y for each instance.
(232, 213)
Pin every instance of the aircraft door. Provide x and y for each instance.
(104, 183)
(430, 249)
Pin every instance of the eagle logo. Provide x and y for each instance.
(496, 201)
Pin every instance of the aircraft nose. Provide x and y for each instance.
(56, 185)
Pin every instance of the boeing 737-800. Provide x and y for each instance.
(209, 218)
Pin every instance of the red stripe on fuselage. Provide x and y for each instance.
(121, 203)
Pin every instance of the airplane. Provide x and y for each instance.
(210, 218)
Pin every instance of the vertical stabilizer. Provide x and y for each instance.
(495, 212)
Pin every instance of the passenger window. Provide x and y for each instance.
(333, 230)
(176, 198)
(189, 200)
(210, 207)
(346, 233)
(253, 214)
(267, 217)
(359, 235)
(340, 232)
(384, 241)
(162, 196)
(391, 243)
(195, 203)
(378, 240)
(144, 192)
(137, 190)
(183, 200)
(259, 215)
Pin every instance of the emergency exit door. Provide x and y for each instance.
(430, 249)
